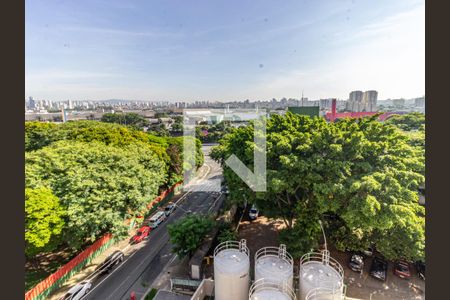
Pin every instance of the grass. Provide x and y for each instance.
(151, 295)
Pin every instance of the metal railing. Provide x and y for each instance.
(241, 246)
(323, 292)
(279, 252)
(264, 284)
(324, 258)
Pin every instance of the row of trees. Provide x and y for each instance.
(139, 122)
(212, 133)
(130, 119)
(85, 178)
(360, 177)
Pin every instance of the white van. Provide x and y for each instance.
(156, 219)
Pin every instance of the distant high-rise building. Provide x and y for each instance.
(354, 100)
(362, 101)
(356, 96)
(31, 103)
(325, 103)
(398, 102)
(370, 100)
(419, 102)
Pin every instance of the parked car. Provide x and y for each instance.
(78, 291)
(378, 269)
(156, 219)
(369, 251)
(401, 269)
(108, 264)
(225, 190)
(356, 262)
(169, 209)
(420, 267)
(253, 212)
(141, 234)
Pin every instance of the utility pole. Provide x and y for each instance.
(323, 232)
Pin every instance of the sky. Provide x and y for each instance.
(223, 50)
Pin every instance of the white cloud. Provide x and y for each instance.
(388, 56)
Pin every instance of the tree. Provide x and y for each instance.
(226, 233)
(177, 127)
(187, 234)
(167, 149)
(44, 221)
(38, 135)
(131, 119)
(363, 171)
(98, 185)
(408, 122)
(160, 115)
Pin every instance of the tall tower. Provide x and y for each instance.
(355, 101)
(370, 100)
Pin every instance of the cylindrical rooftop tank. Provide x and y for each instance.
(231, 270)
(323, 294)
(321, 277)
(267, 289)
(275, 264)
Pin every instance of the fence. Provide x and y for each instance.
(56, 280)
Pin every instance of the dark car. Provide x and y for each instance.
(107, 265)
(420, 267)
(141, 234)
(378, 269)
(401, 269)
(356, 262)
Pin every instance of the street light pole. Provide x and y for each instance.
(323, 232)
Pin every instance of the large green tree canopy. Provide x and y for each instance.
(363, 173)
(38, 135)
(98, 185)
(98, 173)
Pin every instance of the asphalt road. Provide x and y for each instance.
(142, 267)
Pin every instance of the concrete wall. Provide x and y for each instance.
(205, 289)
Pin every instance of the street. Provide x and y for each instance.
(142, 267)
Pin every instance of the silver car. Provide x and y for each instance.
(78, 291)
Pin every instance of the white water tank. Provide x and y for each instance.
(275, 264)
(321, 277)
(231, 270)
(266, 289)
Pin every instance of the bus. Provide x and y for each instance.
(156, 219)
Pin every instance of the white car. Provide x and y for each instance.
(78, 291)
(169, 209)
(253, 213)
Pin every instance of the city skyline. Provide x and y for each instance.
(171, 51)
